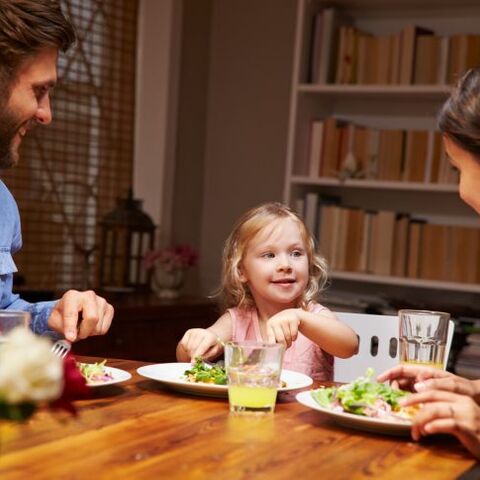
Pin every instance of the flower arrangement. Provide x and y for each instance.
(32, 375)
(172, 258)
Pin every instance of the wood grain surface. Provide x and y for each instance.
(140, 430)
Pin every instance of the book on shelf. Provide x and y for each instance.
(400, 245)
(316, 146)
(415, 232)
(354, 237)
(416, 149)
(328, 227)
(363, 261)
(390, 155)
(315, 47)
(464, 254)
(434, 252)
(311, 211)
(325, 44)
(331, 148)
(427, 60)
(381, 243)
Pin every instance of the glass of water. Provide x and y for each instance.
(10, 319)
(253, 371)
(423, 337)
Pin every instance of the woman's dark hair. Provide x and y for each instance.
(27, 26)
(459, 117)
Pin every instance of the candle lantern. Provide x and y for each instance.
(127, 234)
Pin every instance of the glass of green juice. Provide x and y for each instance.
(253, 371)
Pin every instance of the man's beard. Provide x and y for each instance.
(8, 130)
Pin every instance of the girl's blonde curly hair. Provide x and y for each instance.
(235, 293)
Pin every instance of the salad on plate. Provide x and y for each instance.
(365, 397)
(201, 372)
(95, 372)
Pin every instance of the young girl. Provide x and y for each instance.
(271, 277)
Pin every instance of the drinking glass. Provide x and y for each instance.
(253, 371)
(423, 337)
(9, 319)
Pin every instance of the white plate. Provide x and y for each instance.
(118, 375)
(377, 425)
(171, 374)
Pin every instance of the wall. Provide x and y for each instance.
(156, 107)
(251, 54)
(217, 83)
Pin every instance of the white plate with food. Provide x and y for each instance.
(173, 375)
(99, 375)
(362, 404)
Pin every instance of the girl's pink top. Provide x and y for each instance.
(302, 356)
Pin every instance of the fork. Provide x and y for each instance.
(61, 347)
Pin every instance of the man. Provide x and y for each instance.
(31, 34)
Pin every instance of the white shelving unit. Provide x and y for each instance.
(379, 106)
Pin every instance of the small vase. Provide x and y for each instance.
(168, 284)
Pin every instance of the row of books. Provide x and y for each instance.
(343, 54)
(344, 150)
(393, 244)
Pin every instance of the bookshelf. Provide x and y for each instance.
(407, 110)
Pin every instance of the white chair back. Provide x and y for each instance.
(378, 348)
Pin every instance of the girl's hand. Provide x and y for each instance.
(418, 379)
(200, 342)
(447, 412)
(283, 327)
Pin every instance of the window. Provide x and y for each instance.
(71, 172)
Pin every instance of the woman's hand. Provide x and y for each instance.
(283, 327)
(446, 412)
(198, 342)
(419, 379)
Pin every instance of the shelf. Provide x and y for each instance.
(376, 184)
(406, 282)
(423, 92)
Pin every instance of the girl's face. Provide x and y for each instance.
(469, 167)
(275, 265)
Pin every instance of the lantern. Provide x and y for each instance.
(127, 234)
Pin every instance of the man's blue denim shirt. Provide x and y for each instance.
(11, 242)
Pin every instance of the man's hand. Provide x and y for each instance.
(81, 314)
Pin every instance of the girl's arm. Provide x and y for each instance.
(201, 342)
(324, 329)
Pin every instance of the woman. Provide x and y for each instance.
(451, 403)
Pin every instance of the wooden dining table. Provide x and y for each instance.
(140, 429)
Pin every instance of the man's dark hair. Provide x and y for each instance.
(26, 27)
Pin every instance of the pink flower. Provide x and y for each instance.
(177, 257)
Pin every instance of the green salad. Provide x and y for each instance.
(94, 372)
(364, 396)
(200, 372)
